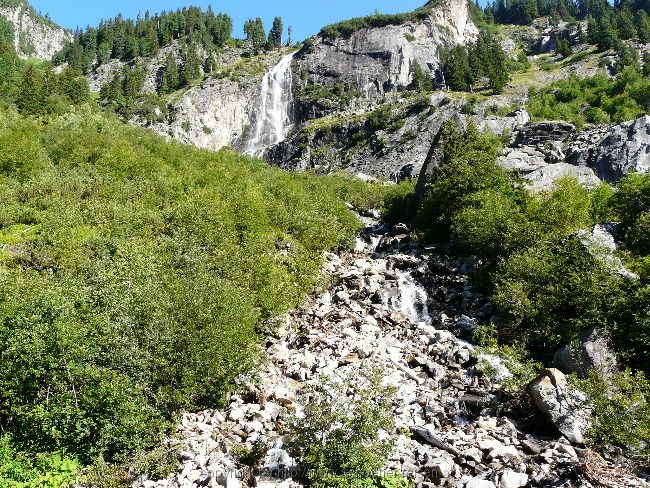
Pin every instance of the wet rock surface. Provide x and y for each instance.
(377, 310)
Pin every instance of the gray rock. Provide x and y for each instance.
(564, 406)
(512, 479)
(540, 133)
(624, 148)
(379, 60)
(479, 483)
(44, 39)
(544, 177)
(442, 467)
(590, 352)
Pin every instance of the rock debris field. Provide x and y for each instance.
(400, 306)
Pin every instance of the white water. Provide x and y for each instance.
(413, 299)
(272, 121)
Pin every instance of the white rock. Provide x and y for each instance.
(479, 483)
(511, 479)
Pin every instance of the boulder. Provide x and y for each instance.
(590, 352)
(624, 148)
(564, 406)
(479, 483)
(512, 479)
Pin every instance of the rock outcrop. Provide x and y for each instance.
(381, 59)
(599, 241)
(537, 153)
(212, 115)
(616, 151)
(34, 36)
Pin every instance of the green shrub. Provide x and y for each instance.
(134, 274)
(632, 204)
(547, 294)
(338, 439)
(621, 412)
(618, 100)
(19, 470)
(468, 167)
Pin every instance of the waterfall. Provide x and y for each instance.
(413, 299)
(273, 119)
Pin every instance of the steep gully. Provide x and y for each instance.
(378, 311)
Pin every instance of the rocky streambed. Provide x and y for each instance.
(398, 305)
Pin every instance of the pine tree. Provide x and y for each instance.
(625, 23)
(32, 99)
(113, 91)
(170, 79)
(421, 81)
(643, 26)
(593, 31)
(191, 65)
(457, 69)
(498, 72)
(255, 34)
(275, 34)
(607, 35)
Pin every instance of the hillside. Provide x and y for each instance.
(411, 251)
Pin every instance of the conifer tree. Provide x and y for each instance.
(32, 92)
(421, 81)
(191, 65)
(643, 26)
(170, 80)
(255, 34)
(275, 34)
(625, 23)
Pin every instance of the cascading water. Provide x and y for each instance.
(273, 120)
(413, 299)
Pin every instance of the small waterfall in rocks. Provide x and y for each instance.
(273, 119)
(413, 299)
(447, 427)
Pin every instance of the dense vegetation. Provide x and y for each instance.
(598, 99)
(481, 64)
(125, 39)
(547, 286)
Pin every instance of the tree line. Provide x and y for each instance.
(126, 39)
(624, 19)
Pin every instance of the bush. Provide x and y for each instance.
(43, 471)
(605, 100)
(135, 273)
(548, 294)
(468, 167)
(338, 440)
(627, 397)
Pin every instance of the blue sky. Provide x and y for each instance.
(305, 16)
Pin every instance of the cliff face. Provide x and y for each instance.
(34, 36)
(212, 115)
(380, 59)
